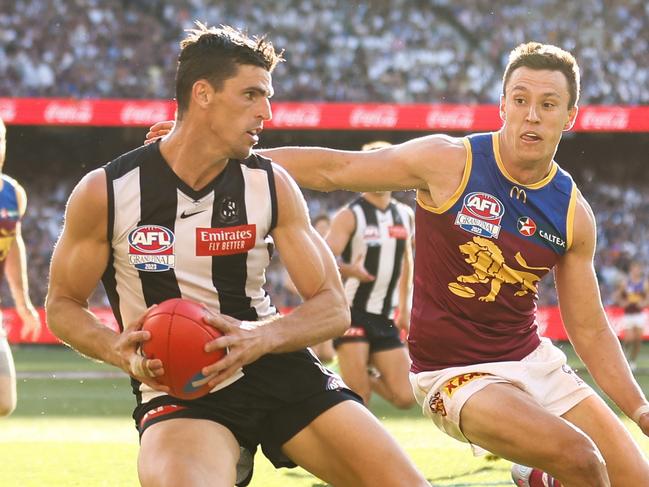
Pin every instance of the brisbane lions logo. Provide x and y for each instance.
(490, 268)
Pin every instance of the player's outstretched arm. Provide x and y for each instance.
(433, 163)
(79, 259)
(416, 164)
(586, 322)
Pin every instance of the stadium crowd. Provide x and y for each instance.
(622, 213)
(375, 51)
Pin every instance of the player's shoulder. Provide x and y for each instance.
(440, 145)
(257, 161)
(584, 225)
(563, 181)
(11, 185)
(91, 189)
(6, 179)
(130, 160)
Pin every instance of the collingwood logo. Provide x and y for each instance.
(520, 193)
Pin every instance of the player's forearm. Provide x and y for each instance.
(79, 328)
(17, 275)
(323, 316)
(311, 168)
(604, 359)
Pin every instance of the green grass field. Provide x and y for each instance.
(78, 432)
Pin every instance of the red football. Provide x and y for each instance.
(178, 335)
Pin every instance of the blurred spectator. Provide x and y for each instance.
(373, 51)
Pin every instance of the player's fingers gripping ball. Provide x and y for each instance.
(178, 338)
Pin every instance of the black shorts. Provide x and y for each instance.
(380, 332)
(278, 396)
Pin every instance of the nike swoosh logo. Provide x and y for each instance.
(187, 215)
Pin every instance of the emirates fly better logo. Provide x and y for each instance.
(225, 241)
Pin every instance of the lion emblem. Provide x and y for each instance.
(489, 267)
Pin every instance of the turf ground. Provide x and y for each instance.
(74, 429)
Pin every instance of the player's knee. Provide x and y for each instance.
(404, 400)
(172, 473)
(584, 461)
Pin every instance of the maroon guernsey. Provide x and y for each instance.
(479, 259)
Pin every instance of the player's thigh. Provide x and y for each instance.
(192, 452)
(7, 379)
(625, 462)
(508, 422)
(353, 357)
(347, 447)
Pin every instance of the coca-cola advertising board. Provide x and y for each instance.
(312, 116)
(548, 319)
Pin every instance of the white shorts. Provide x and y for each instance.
(544, 374)
(634, 320)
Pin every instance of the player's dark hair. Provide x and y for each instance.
(214, 54)
(535, 55)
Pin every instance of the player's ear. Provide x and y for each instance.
(202, 92)
(572, 116)
(501, 108)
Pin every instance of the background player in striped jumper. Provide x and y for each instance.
(372, 236)
(201, 185)
(13, 264)
(633, 296)
(495, 213)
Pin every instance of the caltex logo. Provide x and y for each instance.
(526, 226)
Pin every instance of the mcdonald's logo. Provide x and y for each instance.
(520, 193)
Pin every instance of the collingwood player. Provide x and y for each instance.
(191, 216)
(373, 237)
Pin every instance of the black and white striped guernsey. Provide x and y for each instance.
(169, 241)
(382, 236)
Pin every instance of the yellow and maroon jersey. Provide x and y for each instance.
(479, 259)
(635, 292)
(9, 218)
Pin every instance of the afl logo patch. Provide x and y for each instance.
(526, 226)
(481, 214)
(151, 248)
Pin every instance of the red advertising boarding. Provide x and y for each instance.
(549, 321)
(311, 116)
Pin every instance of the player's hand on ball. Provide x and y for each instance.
(244, 345)
(133, 362)
(157, 130)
